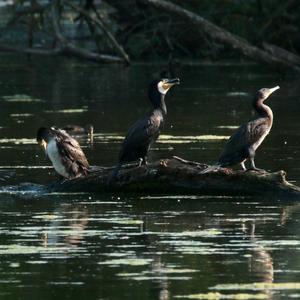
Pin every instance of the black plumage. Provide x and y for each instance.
(243, 144)
(147, 129)
(64, 152)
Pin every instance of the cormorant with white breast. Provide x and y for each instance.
(249, 136)
(64, 152)
(147, 129)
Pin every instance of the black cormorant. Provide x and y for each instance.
(64, 152)
(248, 137)
(147, 129)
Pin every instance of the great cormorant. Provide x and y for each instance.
(248, 137)
(64, 152)
(147, 129)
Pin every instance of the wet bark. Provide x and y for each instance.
(178, 176)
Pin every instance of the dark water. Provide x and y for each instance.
(87, 246)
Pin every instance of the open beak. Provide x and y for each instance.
(272, 90)
(168, 83)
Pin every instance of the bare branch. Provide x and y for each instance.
(101, 24)
(69, 48)
(222, 35)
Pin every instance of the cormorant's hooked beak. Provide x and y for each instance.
(168, 83)
(272, 90)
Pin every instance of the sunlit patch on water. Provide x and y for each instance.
(46, 217)
(233, 127)
(37, 262)
(21, 98)
(127, 261)
(259, 286)
(237, 94)
(21, 141)
(219, 296)
(192, 197)
(21, 115)
(163, 139)
(17, 249)
(68, 111)
(67, 283)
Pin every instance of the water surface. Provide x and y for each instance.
(75, 246)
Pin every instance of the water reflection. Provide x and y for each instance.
(133, 246)
(67, 226)
(179, 247)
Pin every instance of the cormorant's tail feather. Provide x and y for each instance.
(211, 169)
(114, 174)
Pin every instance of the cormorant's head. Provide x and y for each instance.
(264, 93)
(160, 87)
(165, 84)
(43, 136)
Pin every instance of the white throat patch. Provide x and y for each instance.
(161, 89)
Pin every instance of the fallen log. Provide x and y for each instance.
(69, 48)
(282, 53)
(101, 24)
(179, 176)
(223, 36)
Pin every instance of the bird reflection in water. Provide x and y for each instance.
(68, 227)
(260, 264)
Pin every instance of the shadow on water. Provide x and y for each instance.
(143, 246)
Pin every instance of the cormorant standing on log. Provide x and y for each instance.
(147, 129)
(248, 137)
(64, 152)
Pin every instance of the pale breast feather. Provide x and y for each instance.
(54, 155)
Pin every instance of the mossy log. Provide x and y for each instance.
(179, 176)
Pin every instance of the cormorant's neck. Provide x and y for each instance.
(262, 109)
(159, 103)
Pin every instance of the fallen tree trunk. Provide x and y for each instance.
(221, 35)
(101, 24)
(176, 175)
(69, 48)
(282, 53)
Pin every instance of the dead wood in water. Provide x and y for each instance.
(223, 36)
(99, 21)
(66, 47)
(69, 48)
(177, 175)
